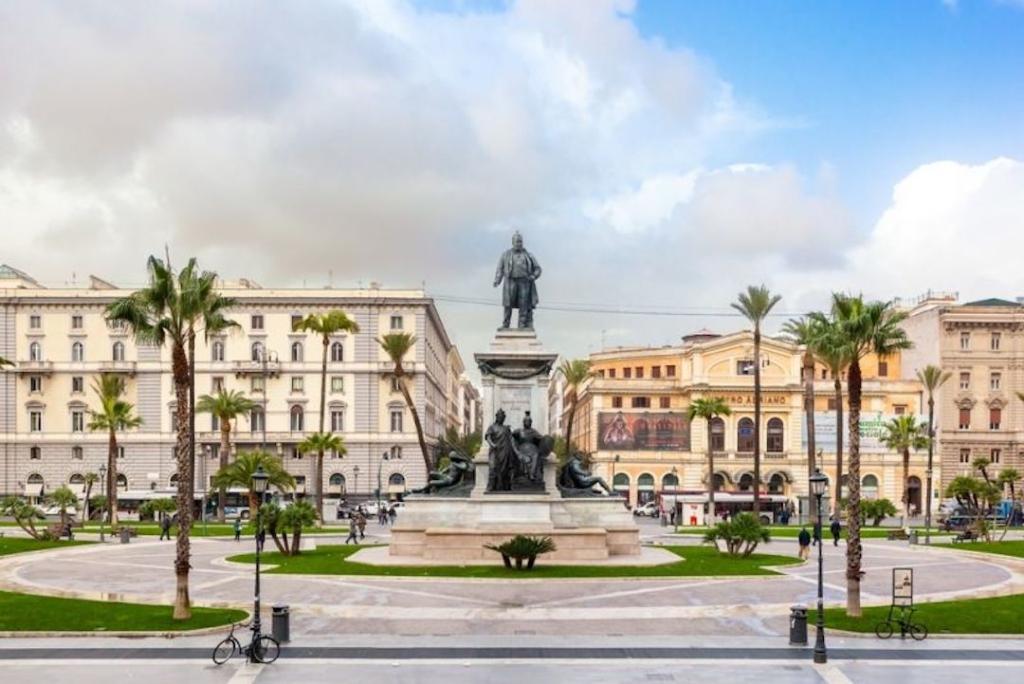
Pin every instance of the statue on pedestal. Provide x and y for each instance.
(532, 448)
(446, 480)
(501, 455)
(518, 269)
(576, 480)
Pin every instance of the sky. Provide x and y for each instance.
(658, 157)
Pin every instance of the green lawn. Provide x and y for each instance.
(10, 545)
(1003, 548)
(791, 532)
(999, 615)
(31, 613)
(698, 561)
(149, 528)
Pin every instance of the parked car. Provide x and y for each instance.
(649, 509)
(236, 512)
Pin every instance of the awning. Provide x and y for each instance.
(396, 489)
(34, 489)
(77, 489)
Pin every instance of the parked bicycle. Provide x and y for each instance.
(263, 648)
(904, 621)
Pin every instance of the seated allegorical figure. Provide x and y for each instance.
(574, 475)
(458, 465)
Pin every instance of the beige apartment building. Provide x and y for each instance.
(60, 342)
(978, 413)
(632, 419)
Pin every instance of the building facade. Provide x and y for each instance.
(977, 411)
(632, 418)
(61, 341)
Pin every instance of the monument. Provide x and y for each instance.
(515, 486)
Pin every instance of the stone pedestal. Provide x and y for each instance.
(515, 373)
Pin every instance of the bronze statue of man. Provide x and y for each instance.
(518, 269)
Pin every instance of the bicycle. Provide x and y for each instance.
(916, 630)
(263, 648)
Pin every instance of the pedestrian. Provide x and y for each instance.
(238, 529)
(261, 537)
(804, 539)
(672, 517)
(165, 527)
(353, 530)
(392, 514)
(361, 522)
(817, 532)
(836, 529)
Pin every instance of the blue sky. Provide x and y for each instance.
(881, 86)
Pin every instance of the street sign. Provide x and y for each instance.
(902, 586)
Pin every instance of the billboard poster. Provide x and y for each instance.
(871, 431)
(619, 431)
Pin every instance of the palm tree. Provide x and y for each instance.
(319, 443)
(902, 434)
(115, 415)
(575, 372)
(90, 479)
(325, 325)
(294, 518)
(239, 473)
(164, 312)
(804, 332)
(63, 498)
(709, 409)
(932, 378)
(862, 328)
(5, 362)
(226, 405)
(834, 355)
(755, 304)
(24, 513)
(396, 346)
(982, 465)
(1008, 477)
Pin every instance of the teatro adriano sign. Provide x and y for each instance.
(747, 398)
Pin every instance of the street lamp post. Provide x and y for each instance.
(380, 466)
(202, 480)
(259, 488)
(675, 492)
(355, 486)
(819, 483)
(103, 480)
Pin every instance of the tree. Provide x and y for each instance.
(396, 346)
(115, 415)
(982, 465)
(63, 498)
(24, 514)
(91, 479)
(297, 516)
(902, 434)
(575, 372)
(1007, 479)
(755, 304)
(831, 350)
(319, 443)
(239, 473)
(976, 497)
(325, 325)
(741, 535)
(166, 311)
(932, 378)
(709, 409)
(876, 510)
(157, 508)
(862, 328)
(468, 443)
(5, 362)
(804, 332)
(226, 405)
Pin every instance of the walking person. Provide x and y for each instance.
(804, 539)
(817, 532)
(238, 529)
(261, 537)
(165, 527)
(836, 529)
(361, 522)
(392, 514)
(353, 530)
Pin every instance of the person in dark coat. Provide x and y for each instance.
(165, 527)
(836, 529)
(804, 539)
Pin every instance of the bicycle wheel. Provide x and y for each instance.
(918, 632)
(266, 649)
(225, 650)
(883, 630)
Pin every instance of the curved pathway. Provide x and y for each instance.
(414, 606)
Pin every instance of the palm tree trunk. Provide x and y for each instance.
(928, 478)
(112, 477)
(839, 443)
(757, 420)
(192, 417)
(853, 545)
(711, 480)
(225, 449)
(415, 421)
(180, 371)
(906, 488)
(85, 504)
(809, 413)
(296, 536)
(318, 476)
(569, 421)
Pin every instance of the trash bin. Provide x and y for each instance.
(798, 626)
(126, 535)
(913, 536)
(280, 628)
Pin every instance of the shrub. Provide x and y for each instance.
(877, 510)
(522, 547)
(741, 534)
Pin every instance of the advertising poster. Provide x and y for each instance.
(637, 431)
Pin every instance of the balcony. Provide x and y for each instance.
(247, 368)
(117, 367)
(34, 367)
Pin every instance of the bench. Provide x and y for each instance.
(57, 530)
(897, 534)
(966, 535)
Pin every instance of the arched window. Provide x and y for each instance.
(776, 484)
(745, 435)
(77, 351)
(717, 434)
(719, 481)
(174, 480)
(217, 351)
(296, 351)
(746, 482)
(256, 419)
(620, 482)
(297, 419)
(337, 352)
(117, 351)
(122, 481)
(35, 478)
(257, 351)
(669, 481)
(914, 493)
(397, 480)
(35, 352)
(869, 487)
(337, 483)
(645, 481)
(775, 436)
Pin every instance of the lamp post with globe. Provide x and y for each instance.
(819, 484)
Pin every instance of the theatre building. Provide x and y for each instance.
(632, 418)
